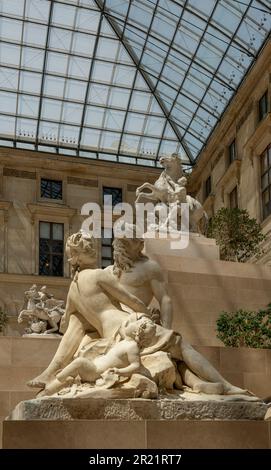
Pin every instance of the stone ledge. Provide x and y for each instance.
(69, 409)
(150, 434)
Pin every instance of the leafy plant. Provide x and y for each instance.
(3, 321)
(245, 329)
(238, 236)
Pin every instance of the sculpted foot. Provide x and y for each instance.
(54, 386)
(50, 389)
(209, 388)
(39, 382)
(232, 390)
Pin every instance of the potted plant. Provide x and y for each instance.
(238, 235)
(245, 328)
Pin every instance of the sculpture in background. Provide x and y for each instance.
(42, 311)
(98, 326)
(170, 189)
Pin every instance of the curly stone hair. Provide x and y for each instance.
(81, 243)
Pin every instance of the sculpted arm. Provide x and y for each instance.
(160, 294)
(133, 358)
(112, 286)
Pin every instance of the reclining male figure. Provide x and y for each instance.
(94, 304)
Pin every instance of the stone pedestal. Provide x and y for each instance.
(179, 406)
(136, 423)
(198, 246)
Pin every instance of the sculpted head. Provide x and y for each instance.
(81, 251)
(127, 250)
(182, 181)
(43, 289)
(141, 330)
(32, 292)
(170, 161)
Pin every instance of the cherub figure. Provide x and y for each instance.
(122, 359)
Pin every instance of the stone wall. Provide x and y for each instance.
(21, 209)
(202, 287)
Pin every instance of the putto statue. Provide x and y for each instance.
(170, 189)
(112, 344)
(42, 311)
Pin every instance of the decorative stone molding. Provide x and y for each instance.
(217, 158)
(257, 143)
(4, 208)
(209, 203)
(132, 188)
(51, 213)
(233, 171)
(19, 173)
(244, 116)
(82, 182)
(26, 279)
(1, 182)
(232, 175)
(51, 210)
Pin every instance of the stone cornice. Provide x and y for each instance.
(35, 279)
(209, 202)
(51, 210)
(81, 167)
(5, 205)
(262, 130)
(232, 171)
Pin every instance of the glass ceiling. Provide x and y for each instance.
(123, 80)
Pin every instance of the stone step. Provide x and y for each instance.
(8, 400)
(219, 294)
(214, 267)
(106, 434)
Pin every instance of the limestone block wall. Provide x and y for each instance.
(22, 208)
(202, 288)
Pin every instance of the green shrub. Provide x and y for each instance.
(239, 237)
(3, 321)
(245, 329)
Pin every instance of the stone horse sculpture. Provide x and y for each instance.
(95, 316)
(41, 310)
(162, 191)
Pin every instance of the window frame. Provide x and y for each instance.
(232, 155)
(103, 245)
(50, 180)
(51, 252)
(113, 188)
(263, 98)
(207, 186)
